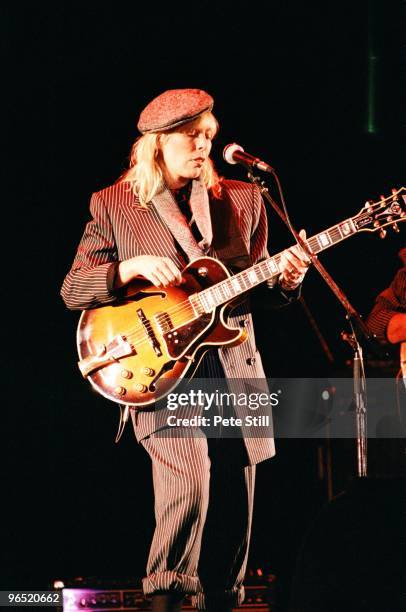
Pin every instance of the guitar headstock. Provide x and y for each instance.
(389, 211)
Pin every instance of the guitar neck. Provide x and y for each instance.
(232, 287)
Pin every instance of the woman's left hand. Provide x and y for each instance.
(294, 265)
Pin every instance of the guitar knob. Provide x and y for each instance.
(203, 271)
(148, 371)
(120, 391)
(126, 374)
(141, 388)
(396, 227)
(382, 233)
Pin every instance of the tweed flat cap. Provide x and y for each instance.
(172, 108)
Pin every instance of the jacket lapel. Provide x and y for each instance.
(151, 234)
(163, 219)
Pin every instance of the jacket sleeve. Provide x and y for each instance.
(388, 303)
(90, 281)
(277, 297)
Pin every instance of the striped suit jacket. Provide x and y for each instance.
(121, 228)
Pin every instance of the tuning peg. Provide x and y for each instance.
(395, 227)
(382, 233)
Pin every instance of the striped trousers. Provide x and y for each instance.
(204, 495)
(203, 511)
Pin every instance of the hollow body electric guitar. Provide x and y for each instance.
(136, 350)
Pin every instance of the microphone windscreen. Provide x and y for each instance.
(229, 151)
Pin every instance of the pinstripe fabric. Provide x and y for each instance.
(181, 485)
(227, 532)
(196, 548)
(120, 229)
(388, 303)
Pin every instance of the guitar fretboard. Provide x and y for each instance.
(232, 287)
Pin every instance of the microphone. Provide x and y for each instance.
(234, 154)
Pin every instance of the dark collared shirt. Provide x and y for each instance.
(182, 197)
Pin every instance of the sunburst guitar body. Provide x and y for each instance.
(136, 350)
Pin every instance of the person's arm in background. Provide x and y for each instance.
(396, 331)
(387, 319)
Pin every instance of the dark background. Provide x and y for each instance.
(316, 89)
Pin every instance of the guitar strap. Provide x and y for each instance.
(227, 242)
(124, 416)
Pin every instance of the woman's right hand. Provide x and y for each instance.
(160, 271)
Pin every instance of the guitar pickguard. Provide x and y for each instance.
(178, 340)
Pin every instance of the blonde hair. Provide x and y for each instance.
(145, 175)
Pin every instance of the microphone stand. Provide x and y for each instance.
(359, 400)
(357, 326)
